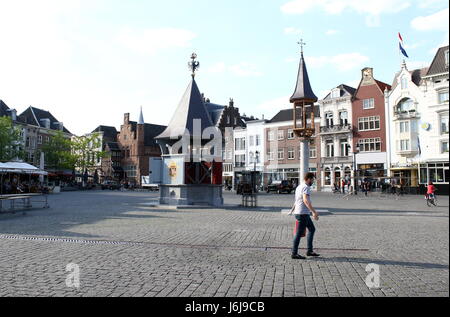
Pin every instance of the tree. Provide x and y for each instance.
(87, 150)
(10, 140)
(58, 153)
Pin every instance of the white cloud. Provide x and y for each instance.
(292, 31)
(150, 41)
(273, 106)
(217, 68)
(416, 64)
(245, 69)
(434, 22)
(432, 3)
(331, 32)
(342, 62)
(372, 9)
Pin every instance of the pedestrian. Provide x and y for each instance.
(302, 210)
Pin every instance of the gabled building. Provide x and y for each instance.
(108, 167)
(137, 143)
(38, 126)
(336, 137)
(369, 126)
(418, 112)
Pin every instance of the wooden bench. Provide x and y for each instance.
(21, 202)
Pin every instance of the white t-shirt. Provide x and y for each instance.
(300, 207)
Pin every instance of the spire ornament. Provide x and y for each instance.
(194, 65)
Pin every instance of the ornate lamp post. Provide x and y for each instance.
(355, 168)
(303, 116)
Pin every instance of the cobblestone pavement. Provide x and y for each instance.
(124, 247)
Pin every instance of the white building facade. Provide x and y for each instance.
(418, 130)
(336, 137)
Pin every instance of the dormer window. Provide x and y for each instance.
(446, 58)
(336, 93)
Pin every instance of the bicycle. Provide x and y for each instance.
(431, 200)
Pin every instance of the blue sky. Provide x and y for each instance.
(88, 62)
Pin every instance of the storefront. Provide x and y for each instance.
(409, 176)
(371, 170)
(437, 173)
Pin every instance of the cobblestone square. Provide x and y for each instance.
(125, 247)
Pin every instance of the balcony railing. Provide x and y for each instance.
(340, 128)
(402, 115)
(337, 160)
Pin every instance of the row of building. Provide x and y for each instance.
(376, 130)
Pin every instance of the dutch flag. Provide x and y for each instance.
(401, 45)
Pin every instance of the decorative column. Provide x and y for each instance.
(303, 117)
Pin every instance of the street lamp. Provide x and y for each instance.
(256, 160)
(355, 168)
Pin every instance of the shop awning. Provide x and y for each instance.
(20, 168)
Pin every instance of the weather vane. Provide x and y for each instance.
(301, 43)
(194, 65)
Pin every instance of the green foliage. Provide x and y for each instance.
(10, 140)
(87, 150)
(58, 152)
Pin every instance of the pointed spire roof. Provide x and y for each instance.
(303, 90)
(190, 108)
(141, 118)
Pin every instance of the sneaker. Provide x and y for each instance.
(298, 257)
(313, 254)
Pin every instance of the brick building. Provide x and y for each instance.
(283, 149)
(369, 126)
(136, 141)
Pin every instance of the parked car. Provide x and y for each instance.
(280, 187)
(111, 185)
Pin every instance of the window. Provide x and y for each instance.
(343, 118)
(344, 147)
(39, 139)
(271, 136)
(403, 127)
(405, 105)
(446, 58)
(443, 97)
(329, 117)
(291, 134)
(228, 120)
(281, 155)
(313, 152)
(369, 123)
(369, 104)
(291, 154)
(403, 145)
(404, 82)
(327, 176)
(335, 93)
(444, 147)
(258, 140)
(444, 124)
(240, 144)
(370, 145)
(252, 140)
(280, 135)
(330, 148)
(271, 155)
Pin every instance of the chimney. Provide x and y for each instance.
(13, 114)
(126, 119)
(46, 123)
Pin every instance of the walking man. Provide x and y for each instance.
(302, 211)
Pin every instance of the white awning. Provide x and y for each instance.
(20, 168)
